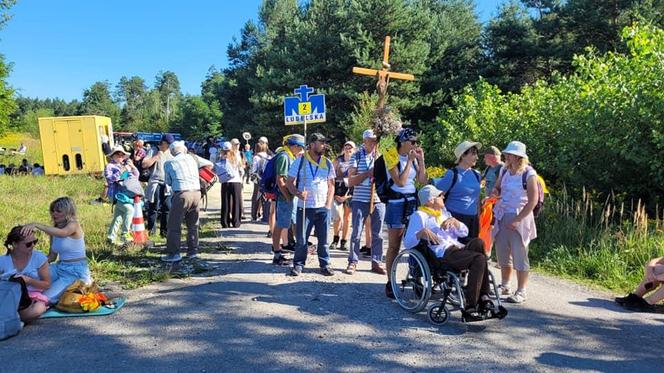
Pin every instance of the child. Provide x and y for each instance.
(123, 210)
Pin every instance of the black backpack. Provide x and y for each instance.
(383, 182)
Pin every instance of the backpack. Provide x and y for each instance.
(10, 297)
(144, 172)
(540, 189)
(268, 183)
(129, 187)
(207, 179)
(455, 174)
(383, 182)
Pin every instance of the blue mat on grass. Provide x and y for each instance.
(102, 311)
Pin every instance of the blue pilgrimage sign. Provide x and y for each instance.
(305, 107)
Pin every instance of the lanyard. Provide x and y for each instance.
(311, 169)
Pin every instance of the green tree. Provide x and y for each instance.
(512, 42)
(131, 94)
(198, 119)
(97, 100)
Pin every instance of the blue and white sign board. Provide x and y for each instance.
(305, 107)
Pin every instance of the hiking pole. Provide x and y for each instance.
(304, 186)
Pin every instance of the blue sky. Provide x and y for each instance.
(59, 48)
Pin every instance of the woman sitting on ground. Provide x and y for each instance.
(651, 283)
(67, 243)
(30, 265)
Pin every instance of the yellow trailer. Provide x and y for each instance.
(73, 145)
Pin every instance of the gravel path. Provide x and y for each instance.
(249, 316)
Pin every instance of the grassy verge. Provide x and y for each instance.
(599, 243)
(26, 199)
(12, 141)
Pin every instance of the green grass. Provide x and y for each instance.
(13, 140)
(26, 200)
(603, 244)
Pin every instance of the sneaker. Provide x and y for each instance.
(388, 291)
(343, 247)
(630, 298)
(504, 290)
(518, 297)
(640, 305)
(171, 258)
(471, 314)
(327, 271)
(311, 248)
(351, 268)
(333, 245)
(377, 268)
(269, 234)
(296, 270)
(281, 260)
(290, 248)
(366, 250)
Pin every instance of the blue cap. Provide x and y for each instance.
(168, 138)
(295, 140)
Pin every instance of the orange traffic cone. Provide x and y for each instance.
(138, 226)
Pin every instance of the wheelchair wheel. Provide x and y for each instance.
(438, 314)
(411, 280)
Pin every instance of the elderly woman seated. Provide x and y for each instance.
(651, 283)
(434, 224)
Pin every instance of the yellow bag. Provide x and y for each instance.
(70, 301)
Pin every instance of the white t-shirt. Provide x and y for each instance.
(409, 187)
(314, 179)
(513, 196)
(7, 269)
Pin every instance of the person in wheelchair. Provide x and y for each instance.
(434, 226)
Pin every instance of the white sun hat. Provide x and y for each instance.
(464, 146)
(516, 148)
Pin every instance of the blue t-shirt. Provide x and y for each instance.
(465, 195)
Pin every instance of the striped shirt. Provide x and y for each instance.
(181, 173)
(363, 162)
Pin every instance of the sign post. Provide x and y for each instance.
(306, 108)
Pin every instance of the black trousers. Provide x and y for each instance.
(256, 202)
(473, 224)
(159, 208)
(473, 259)
(231, 207)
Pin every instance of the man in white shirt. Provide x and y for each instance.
(311, 180)
(435, 225)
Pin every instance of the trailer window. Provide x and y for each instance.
(65, 162)
(79, 162)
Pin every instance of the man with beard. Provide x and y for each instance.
(311, 180)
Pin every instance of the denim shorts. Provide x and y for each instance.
(397, 212)
(284, 213)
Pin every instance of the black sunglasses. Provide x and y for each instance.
(31, 243)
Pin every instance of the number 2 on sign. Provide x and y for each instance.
(304, 108)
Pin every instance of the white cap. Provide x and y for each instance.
(351, 143)
(369, 134)
(262, 139)
(226, 146)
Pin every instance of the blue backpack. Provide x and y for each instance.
(268, 184)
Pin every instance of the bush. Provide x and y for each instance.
(601, 128)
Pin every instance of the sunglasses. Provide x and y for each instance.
(31, 243)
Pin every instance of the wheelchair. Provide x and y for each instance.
(417, 277)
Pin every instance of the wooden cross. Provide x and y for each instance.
(383, 74)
